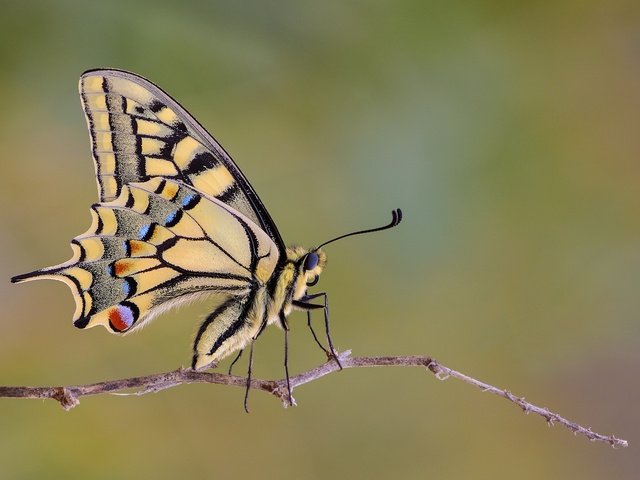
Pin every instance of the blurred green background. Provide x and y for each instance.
(508, 133)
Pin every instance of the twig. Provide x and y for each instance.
(68, 396)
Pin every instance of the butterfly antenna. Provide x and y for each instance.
(396, 218)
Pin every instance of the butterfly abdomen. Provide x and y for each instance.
(230, 328)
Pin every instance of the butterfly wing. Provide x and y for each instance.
(139, 132)
(160, 243)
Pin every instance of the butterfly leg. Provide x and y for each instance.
(304, 304)
(235, 360)
(250, 369)
(246, 392)
(285, 327)
(315, 337)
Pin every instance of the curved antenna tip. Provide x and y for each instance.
(397, 216)
(395, 220)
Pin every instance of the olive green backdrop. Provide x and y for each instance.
(507, 132)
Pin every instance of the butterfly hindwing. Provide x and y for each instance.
(160, 243)
(139, 132)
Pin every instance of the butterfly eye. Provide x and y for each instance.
(313, 282)
(311, 261)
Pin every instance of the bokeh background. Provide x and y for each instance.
(508, 133)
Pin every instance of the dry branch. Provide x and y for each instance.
(68, 396)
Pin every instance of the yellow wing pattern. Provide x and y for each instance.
(160, 243)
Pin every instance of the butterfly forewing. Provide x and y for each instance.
(139, 132)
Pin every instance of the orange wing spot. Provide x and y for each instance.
(121, 267)
(128, 266)
(139, 248)
(135, 247)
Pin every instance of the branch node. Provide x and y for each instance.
(432, 366)
(67, 399)
(615, 442)
(289, 402)
(281, 391)
(437, 370)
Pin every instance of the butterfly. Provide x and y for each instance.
(177, 220)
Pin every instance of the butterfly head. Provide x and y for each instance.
(312, 266)
(309, 264)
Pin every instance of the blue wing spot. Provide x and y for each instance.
(143, 231)
(187, 200)
(129, 287)
(190, 201)
(170, 218)
(173, 218)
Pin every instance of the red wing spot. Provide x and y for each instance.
(120, 318)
